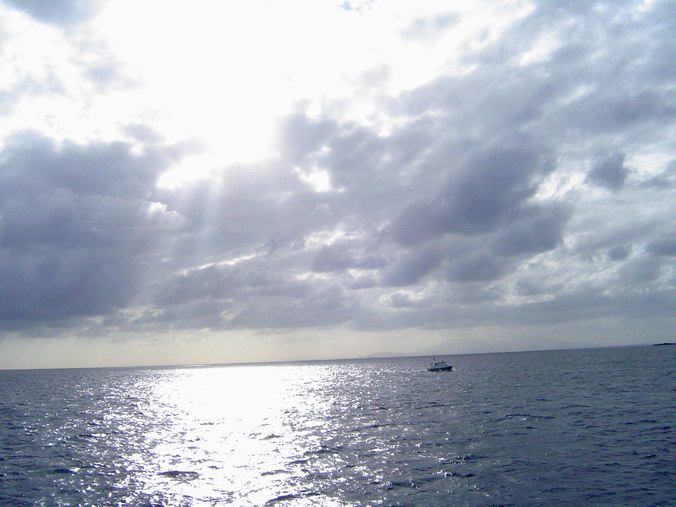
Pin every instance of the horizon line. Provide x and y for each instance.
(380, 355)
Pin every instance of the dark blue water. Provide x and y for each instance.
(537, 428)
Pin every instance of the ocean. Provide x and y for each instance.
(573, 427)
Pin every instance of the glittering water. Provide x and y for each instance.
(538, 428)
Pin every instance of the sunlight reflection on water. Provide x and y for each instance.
(545, 428)
(237, 431)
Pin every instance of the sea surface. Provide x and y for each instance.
(575, 427)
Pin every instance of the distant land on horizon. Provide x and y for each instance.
(382, 355)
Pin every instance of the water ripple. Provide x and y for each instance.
(550, 428)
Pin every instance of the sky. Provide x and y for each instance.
(206, 182)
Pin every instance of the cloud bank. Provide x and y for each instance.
(528, 179)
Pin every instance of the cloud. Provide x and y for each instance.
(76, 227)
(337, 257)
(526, 178)
(663, 246)
(429, 27)
(618, 252)
(58, 12)
(477, 267)
(477, 196)
(412, 266)
(609, 172)
(639, 271)
(537, 229)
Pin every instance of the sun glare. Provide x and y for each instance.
(202, 74)
(258, 406)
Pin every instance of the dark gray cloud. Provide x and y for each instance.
(476, 267)
(663, 246)
(478, 195)
(639, 271)
(76, 227)
(412, 266)
(609, 172)
(536, 229)
(618, 252)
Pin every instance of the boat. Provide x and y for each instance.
(439, 365)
